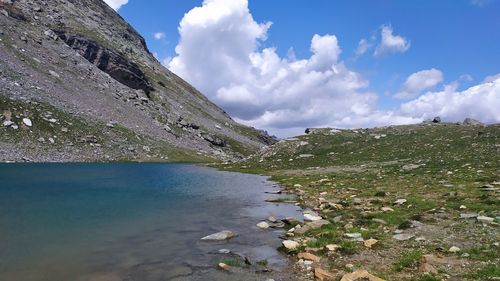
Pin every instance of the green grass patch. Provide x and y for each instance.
(484, 253)
(348, 247)
(408, 260)
(485, 273)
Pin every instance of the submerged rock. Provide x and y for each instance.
(219, 236)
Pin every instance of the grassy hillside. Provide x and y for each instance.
(353, 179)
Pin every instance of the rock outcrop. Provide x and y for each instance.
(117, 66)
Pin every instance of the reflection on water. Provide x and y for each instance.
(107, 222)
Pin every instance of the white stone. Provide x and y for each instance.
(53, 73)
(27, 122)
(8, 123)
(485, 219)
(263, 225)
(454, 249)
(400, 201)
(312, 217)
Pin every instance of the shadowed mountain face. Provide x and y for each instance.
(77, 83)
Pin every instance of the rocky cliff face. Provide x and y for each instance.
(77, 83)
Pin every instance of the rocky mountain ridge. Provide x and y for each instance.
(81, 61)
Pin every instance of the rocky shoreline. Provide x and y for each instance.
(424, 208)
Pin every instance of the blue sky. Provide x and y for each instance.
(460, 39)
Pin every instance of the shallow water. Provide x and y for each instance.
(107, 222)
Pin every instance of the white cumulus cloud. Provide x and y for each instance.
(220, 53)
(391, 43)
(116, 4)
(480, 102)
(417, 82)
(257, 86)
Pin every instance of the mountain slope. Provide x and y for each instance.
(78, 62)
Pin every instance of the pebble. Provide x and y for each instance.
(454, 249)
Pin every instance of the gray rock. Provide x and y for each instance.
(219, 236)
(8, 123)
(472, 122)
(468, 215)
(403, 236)
(272, 219)
(53, 73)
(51, 34)
(311, 225)
(311, 216)
(485, 219)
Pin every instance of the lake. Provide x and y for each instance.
(110, 222)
